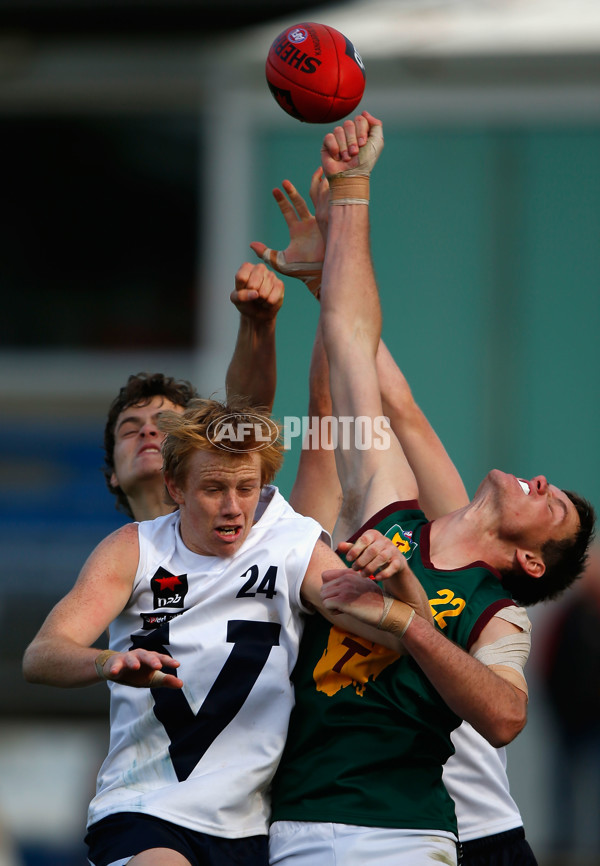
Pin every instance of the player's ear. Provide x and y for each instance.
(113, 481)
(173, 490)
(531, 562)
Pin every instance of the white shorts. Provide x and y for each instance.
(302, 843)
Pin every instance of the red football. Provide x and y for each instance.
(315, 73)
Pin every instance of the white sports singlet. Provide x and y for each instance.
(203, 757)
(475, 777)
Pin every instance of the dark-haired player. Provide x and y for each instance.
(132, 437)
(361, 778)
(204, 607)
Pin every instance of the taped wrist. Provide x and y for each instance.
(309, 272)
(396, 616)
(345, 189)
(100, 661)
(352, 185)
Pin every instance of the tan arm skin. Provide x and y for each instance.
(258, 296)
(350, 316)
(306, 241)
(440, 487)
(317, 491)
(492, 705)
(62, 653)
(252, 371)
(350, 308)
(371, 553)
(351, 327)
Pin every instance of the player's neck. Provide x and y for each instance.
(148, 506)
(456, 540)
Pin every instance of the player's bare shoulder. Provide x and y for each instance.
(116, 556)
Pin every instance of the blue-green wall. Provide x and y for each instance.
(486, 245)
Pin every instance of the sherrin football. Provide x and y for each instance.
(315, 73)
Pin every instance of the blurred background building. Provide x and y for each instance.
(140, 145)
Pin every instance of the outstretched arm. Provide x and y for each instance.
(440, 486)
(316, 491)
(371, 477)
(252, 371)
(62, 653)
(441, 489)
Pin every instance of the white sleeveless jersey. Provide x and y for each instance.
(203, 756)
(475, 777)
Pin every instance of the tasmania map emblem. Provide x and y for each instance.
(402, 539)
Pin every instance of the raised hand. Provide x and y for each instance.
(353, 149)
(258, 292)
(374, 555)
(303, 256)
(345, 591)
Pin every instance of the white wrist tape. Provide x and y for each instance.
(309, 272)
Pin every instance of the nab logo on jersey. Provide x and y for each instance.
(169, 590)
(402, 539)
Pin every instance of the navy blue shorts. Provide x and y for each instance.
(502, 849)
(125, 834)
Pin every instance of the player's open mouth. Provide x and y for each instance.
(524, 485)
(228, 531)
